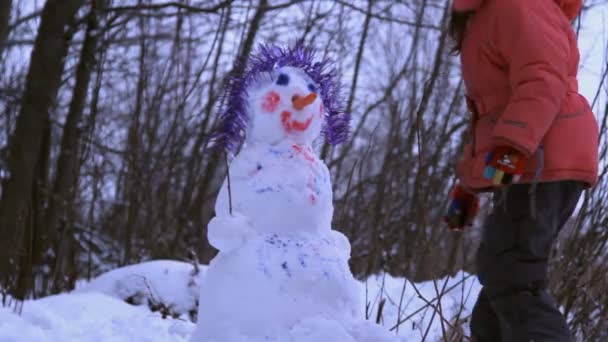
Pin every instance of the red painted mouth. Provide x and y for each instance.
(294, 125)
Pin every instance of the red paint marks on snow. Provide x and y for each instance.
(313, 197)
(285, 116)
(301, 126)
(305, 151)
(270, 102)
(294, 125)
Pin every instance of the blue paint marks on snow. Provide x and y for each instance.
(263, 190)
(286, 268)
(275, 240)
(276, 152)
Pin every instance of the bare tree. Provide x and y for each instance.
(66, 176)
(42, 84)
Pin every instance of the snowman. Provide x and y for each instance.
(282, 272)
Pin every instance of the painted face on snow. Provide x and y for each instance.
(285, 106)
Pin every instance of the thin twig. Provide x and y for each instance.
(171, 4)
(428, 304)
(229, 183)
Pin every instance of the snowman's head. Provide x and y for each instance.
(284, 106)
(283, 95)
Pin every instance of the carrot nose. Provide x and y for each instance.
(300, 102)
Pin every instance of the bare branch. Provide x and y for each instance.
(172, 4)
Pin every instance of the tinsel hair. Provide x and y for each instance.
(234, 116)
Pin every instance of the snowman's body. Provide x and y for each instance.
(282, 273)
(280, 188)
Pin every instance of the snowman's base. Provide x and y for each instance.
(284, 287)
(316, 329)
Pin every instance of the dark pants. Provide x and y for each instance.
(517, 237)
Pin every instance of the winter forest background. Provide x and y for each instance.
(104, 128)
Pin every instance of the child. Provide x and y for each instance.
(534, 143)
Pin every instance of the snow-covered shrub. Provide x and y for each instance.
(167, 286)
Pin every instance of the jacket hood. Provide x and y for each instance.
(569, 7)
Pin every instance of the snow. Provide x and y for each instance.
(408, 303)
(297, 279)
(84, 317)
(95, 314)
(277, 177)
(160, 284)
(272, 185)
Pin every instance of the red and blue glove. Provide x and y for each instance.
(464, 206)
(505, 165)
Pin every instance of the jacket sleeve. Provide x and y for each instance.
(531, 36)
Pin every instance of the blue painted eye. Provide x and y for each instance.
(283, 79)
(312, 87)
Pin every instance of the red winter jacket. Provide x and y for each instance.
(519, 64)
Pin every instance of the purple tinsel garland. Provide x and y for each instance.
(234, 118)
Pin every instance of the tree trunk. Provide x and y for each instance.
(42, 83)
(5, 16)
(35, 235)
(68, 163)
(133, 152)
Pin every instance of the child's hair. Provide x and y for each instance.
(457, 28)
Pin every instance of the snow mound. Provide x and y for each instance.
(168, 286)
(84, 317)
(87, 315)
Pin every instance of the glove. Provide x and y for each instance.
(505, 165)
(464, 206)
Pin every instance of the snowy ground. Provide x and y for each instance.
(98, 312)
